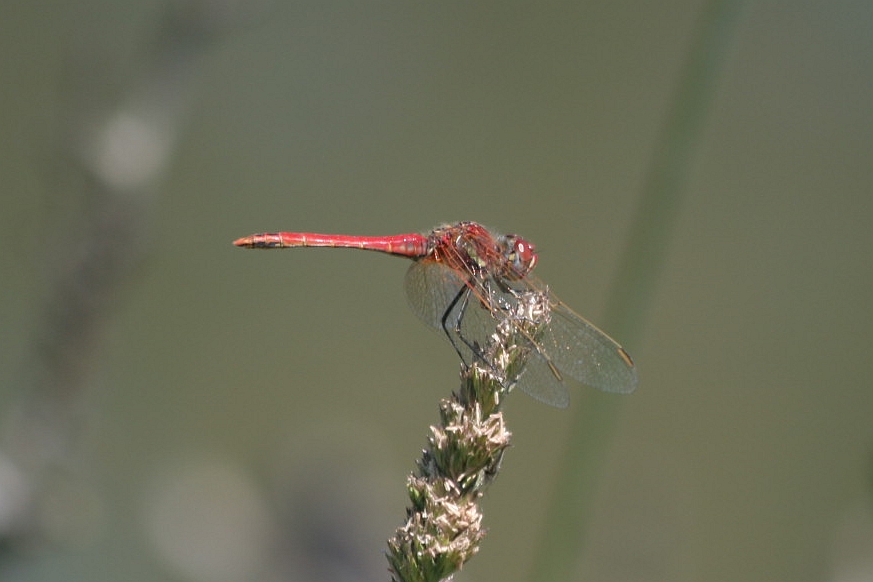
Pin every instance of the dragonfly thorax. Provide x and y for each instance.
(469, 247)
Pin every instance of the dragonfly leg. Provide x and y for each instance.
(451, 323)
(468, 349)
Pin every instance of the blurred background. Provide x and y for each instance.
(175, 409)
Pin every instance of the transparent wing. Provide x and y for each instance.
(441, 298)
(431, 288)
(577, 348)
(568, 347)
(541, 382)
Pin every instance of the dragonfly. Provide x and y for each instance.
(464, 280)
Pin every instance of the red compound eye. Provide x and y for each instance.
(520, 254)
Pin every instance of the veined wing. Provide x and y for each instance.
(464, 313)
(431, 288)
(577, 348)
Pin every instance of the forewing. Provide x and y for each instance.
(577, 348)
(444, 301)
(431, 287)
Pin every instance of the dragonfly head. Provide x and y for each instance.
(521, 257)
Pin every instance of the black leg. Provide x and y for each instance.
(452, 321)
(454, 330)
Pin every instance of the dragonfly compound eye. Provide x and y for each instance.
(520, 255)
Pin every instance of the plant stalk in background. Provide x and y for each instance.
(569, 516)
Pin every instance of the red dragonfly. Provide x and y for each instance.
(466, 279)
